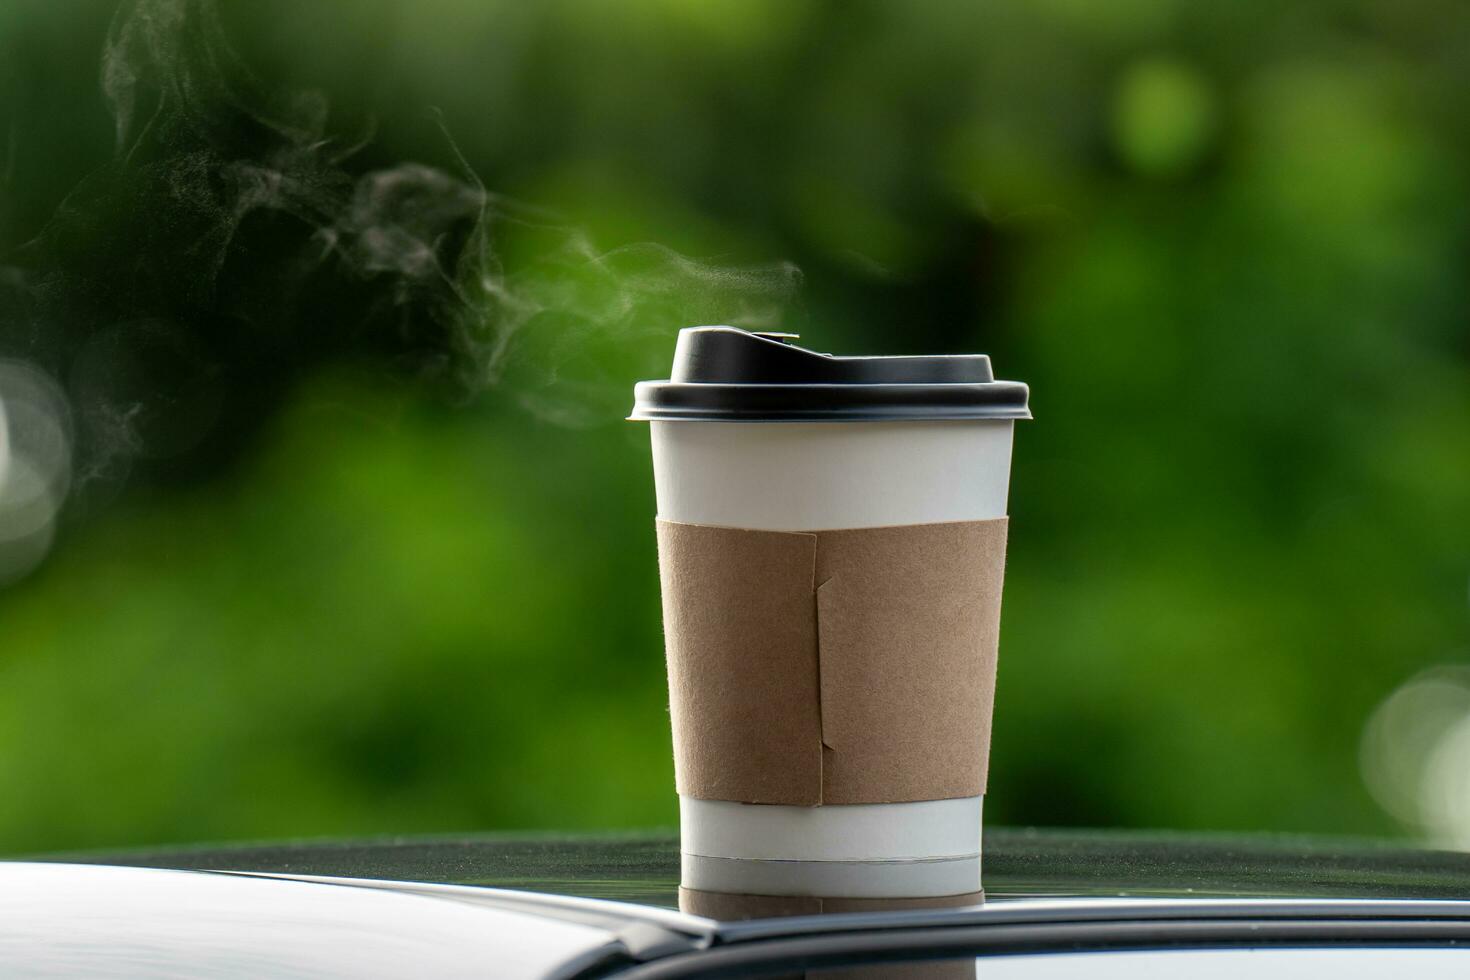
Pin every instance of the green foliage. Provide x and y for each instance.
(1163, 117)
(1223, 242)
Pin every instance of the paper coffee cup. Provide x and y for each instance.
(832, 534)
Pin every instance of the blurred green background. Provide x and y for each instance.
(1226, 244)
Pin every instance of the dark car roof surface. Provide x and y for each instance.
(644, 868)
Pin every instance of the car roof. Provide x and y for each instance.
(106, 921)
(562, 905)
(101, 921)
(643, 868)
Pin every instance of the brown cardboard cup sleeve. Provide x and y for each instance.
(832, 667)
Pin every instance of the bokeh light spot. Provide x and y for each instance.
(1416, 754)
(35, 466)
(1163, 117)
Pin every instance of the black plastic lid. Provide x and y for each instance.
(722, 374)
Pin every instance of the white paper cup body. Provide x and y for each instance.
(777, 476)
(791, 476)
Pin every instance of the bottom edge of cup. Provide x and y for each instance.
(913, 831)
(928, 878)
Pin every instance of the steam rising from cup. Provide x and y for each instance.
(233, 247)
